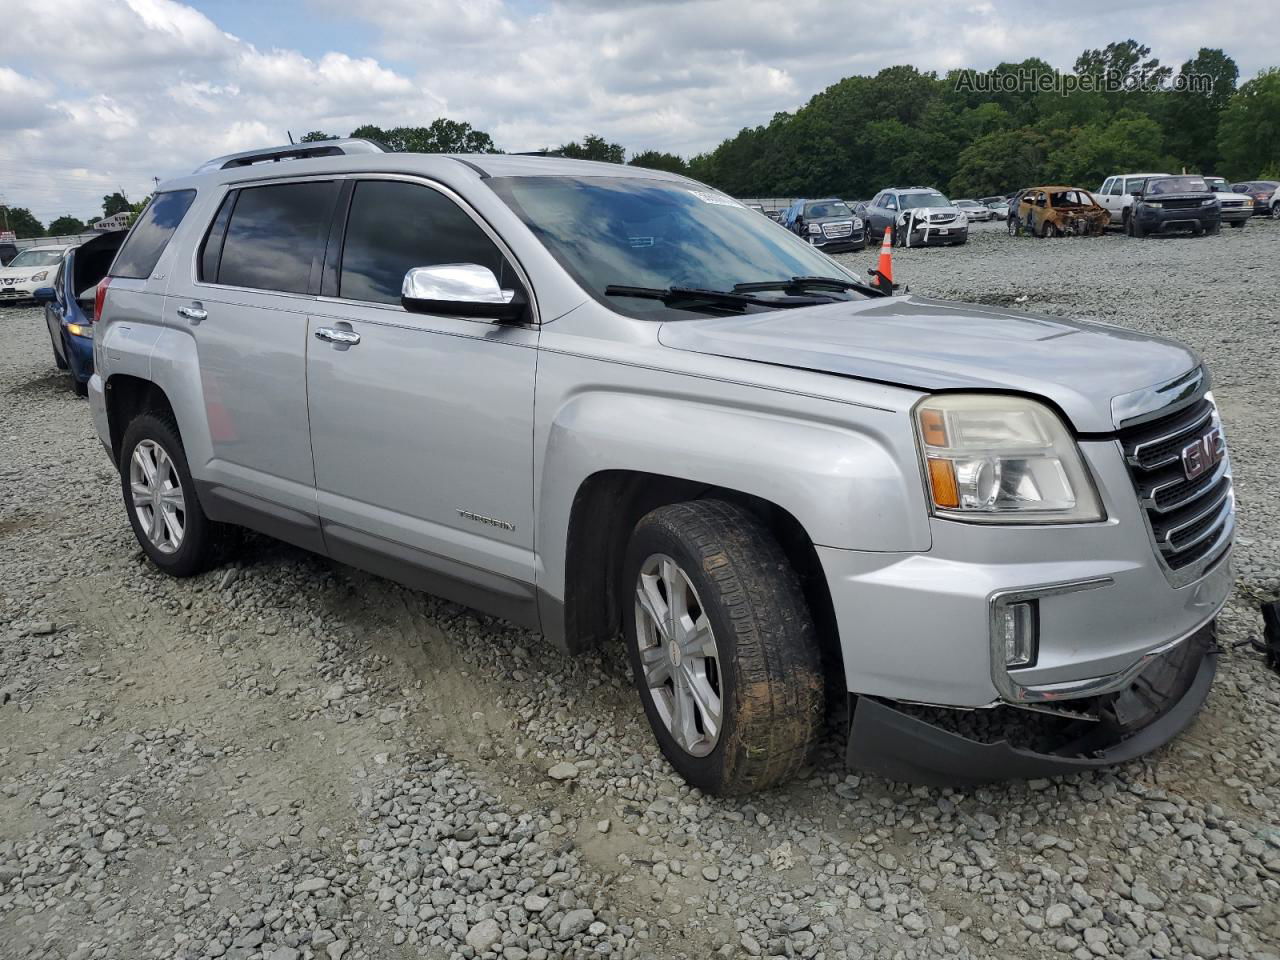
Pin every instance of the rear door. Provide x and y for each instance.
(422, 431)
(257, 276)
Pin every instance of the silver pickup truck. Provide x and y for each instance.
(599, 400)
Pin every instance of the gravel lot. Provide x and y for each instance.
(287, 758)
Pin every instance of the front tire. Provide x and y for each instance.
(722, 646)
(1237, 224)
(1014, 229)
(58, 359)
(160, 498)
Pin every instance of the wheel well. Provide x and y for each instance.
(126, 397)
(607, 508)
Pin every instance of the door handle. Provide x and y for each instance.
(194, 314)
(347, 338)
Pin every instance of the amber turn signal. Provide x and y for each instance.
(942, 480)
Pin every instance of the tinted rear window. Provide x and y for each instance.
(276, 236)
(141, 252)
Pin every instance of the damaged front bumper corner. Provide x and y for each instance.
(930, 746)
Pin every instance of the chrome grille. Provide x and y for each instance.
(833, 231)
(1190, 518)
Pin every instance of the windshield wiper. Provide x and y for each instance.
(686, 297)
(802, 283)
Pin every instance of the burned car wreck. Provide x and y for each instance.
(1058, 212)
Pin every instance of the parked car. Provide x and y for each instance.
(1237, 208)
(919, 216)
(646, 412)
(1057, 212)
(1116, 195)
(30, 269)
(827, 224)
(1169, 204)
(974, 210)
(69, 305)
(1266, 202)
(757, 207)
(999, 206)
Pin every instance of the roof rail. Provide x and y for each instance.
(293, 151)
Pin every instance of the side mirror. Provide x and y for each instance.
(463, 290)
(44, 295)
(1135, 193)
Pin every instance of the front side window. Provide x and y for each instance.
(150, 235)
(275, 236)
(1134, 184)
(395, 226)
(655, 234)
(891, 202)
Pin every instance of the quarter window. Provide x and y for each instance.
(141, 251)
(395, 226)
(275, 237)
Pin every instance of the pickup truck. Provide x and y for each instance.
(1116, 195)
(615, 405)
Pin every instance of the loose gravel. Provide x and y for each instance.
(289, 759)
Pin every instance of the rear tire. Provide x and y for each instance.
(710, 575)
(78, 387)
(182, 541)
(1050, 231)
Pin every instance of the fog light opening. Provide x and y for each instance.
(1020, 625)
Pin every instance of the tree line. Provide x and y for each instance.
(26, 225)
(906, 126)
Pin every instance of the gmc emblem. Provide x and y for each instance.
(1203, 454)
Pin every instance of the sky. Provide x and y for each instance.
(101, 95)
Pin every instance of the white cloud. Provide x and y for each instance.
(123, 90)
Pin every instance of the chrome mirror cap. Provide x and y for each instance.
(454, 283)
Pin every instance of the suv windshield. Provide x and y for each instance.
(827, 208)
(1176, 185)
(911, 201)
(657, 234)
(36, 258)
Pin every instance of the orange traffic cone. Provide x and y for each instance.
(882, 274)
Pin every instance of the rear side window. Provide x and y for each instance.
(274, 237)
(141, 252)
(395, 226)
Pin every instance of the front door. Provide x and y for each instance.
(422, 430)
(258, 274)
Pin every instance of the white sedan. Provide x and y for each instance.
(974, 210)
(33, 268)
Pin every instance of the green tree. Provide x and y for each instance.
(65, 226)
(442, 136)
(657, 160)
(316, 136)
(1000, 162)
(1193, 115)
(21, 221)
(594, 147)
(1249, 135)
(1127, 66)
(114, 203)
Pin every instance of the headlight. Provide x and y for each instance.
(857, 223)
(1247, 203)
(998, 459)
(1208, 203)
(39, 276)
(1156, 204)
(80, 330)
(814, 228)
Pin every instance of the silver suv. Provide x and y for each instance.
(601, 400)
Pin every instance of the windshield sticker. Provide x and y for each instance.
(717, 198)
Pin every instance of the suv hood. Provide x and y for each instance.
(933, 345)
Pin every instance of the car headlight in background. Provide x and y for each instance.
(857, 223)
(1155, 204)
(1000, 459)
(80, 330)
(39, 276)
(1208, 203)
(815, 228)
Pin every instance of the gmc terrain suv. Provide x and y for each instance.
(601, 400)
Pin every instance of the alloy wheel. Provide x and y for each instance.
(158, 500)
(679, 655)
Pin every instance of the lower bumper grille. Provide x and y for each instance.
(1188, 502)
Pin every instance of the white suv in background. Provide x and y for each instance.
(1116, 194)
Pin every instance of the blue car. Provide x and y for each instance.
(69, 305)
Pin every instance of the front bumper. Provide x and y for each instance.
(1236, 214)
(17, 294)
(1167, 221)
(930, 235)
(1156, 705)
(855, 241)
